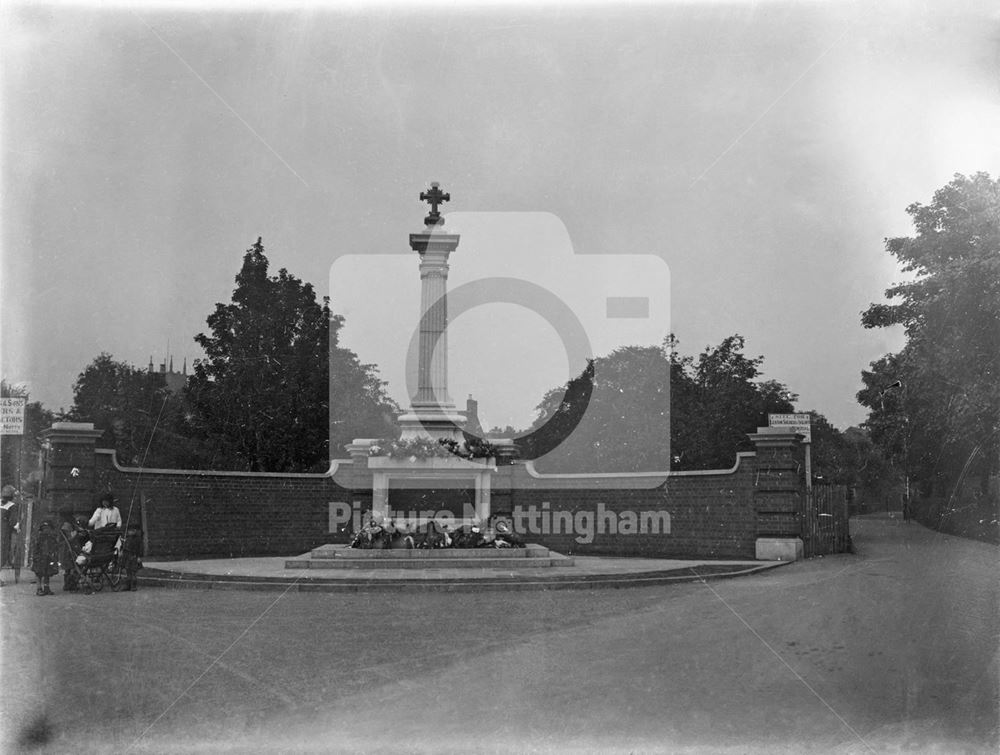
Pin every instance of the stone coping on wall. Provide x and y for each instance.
(529, 467)
(335, 465)
(385, 462)
(71, 432)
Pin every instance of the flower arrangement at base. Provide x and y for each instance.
(378, 532)
(429, 448)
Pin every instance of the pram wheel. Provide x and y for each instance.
(115, 578)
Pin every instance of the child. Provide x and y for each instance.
(45, 556)
(131, 556)
(10, 531)
(72, 535)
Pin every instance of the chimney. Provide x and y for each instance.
(472, 425)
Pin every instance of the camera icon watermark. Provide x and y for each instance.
(564, 353)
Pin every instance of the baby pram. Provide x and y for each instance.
(96, 563)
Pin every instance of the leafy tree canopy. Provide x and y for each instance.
(273, 372)
(935, 405)
(637, 407)
(717, 399)
(130, 405)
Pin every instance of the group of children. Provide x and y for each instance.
(71, 546)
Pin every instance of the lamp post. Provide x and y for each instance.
(906, 454)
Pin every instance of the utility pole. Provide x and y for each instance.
(906, 444)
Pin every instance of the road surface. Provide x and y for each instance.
(892, 648)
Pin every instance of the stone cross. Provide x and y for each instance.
(434, 197)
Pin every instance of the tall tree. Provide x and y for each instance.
(616, 415)
(730, 402)
(130, 405)
(838, 457)
(264, 389)
(935, 405)
(360, 407)
(559, 414)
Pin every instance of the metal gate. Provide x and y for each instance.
(825, 524)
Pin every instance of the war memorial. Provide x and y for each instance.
(437, 476)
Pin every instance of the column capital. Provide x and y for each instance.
(434, 242)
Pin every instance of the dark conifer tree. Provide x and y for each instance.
(273, 371)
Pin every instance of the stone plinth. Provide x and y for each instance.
(442, 473)
(506, 559)
(431, 420)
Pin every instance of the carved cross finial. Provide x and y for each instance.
(434, 197)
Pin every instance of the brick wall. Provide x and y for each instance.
(188, 514)
(711, 515)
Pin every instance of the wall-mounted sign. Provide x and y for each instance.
(797, 423)
(12, 415)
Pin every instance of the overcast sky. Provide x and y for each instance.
(761, 150)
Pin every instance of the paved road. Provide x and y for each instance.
(892, 648)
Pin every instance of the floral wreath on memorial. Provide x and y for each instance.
(381, 532)
(428, 448)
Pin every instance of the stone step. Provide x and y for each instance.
(327, 552)
(429, 563)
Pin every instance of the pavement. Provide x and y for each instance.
(892, 648)
(585, 572)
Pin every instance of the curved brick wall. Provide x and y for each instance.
(191, 513)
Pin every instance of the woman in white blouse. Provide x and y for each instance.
(106, 514)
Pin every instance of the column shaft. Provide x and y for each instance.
(432, 384)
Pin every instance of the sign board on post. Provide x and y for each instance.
(12, 415)
(797, 423)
